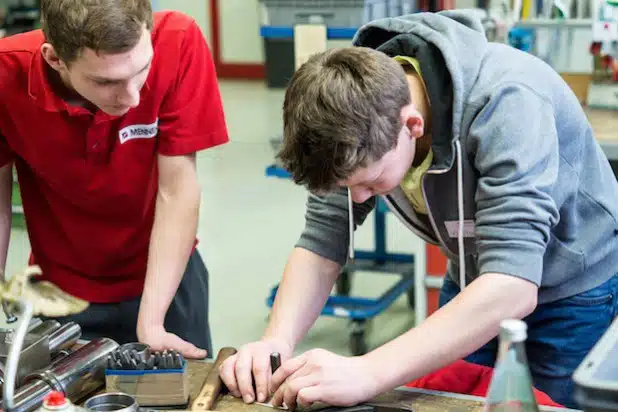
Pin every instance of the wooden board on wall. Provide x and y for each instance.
(309, 39)
(579, 84)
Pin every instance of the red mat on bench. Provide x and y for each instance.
(468, 379)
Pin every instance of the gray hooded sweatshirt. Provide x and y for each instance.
(518, 184)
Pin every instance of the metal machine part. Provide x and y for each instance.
(33, 358)
(80, 373)
(34, 323)
(10, 317)
(76, 376)
(54, 339)
(31, 396)
(120, 402)
(26, 311)
(59, 356)
(64, 337)
(34, 355)
(45, 328)
(134, 348)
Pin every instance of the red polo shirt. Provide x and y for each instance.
(89, 180)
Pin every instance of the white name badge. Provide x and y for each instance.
(138, 131)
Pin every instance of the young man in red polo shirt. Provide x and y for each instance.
(101, 113)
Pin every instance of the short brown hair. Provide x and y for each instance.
(107, 26)
(341, 110)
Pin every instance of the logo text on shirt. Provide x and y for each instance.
(138, 131)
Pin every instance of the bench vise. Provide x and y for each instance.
(45, 342)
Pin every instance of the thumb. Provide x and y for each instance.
(187, 349)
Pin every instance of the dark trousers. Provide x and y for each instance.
(186, 317)
(560, 335)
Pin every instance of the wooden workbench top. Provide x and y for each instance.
(419, 400)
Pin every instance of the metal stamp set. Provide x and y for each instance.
(152, 378)
(138, 357)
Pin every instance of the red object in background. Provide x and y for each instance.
(606, 62)
(595, 48)
(467, 379)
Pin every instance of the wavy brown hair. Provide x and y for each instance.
(106, 26)
(341, 110)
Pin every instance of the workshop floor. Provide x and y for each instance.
(249, 224)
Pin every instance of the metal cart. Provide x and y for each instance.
(359, 310)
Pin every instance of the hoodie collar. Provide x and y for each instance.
(439, 90)
(454, 38)
(449, 49)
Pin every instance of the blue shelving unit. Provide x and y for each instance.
(286, 32)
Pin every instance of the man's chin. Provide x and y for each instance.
(115, 111)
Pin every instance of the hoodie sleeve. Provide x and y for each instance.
(326, 230)
(515, 146)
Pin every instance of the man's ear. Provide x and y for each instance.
(411, 118)
(50, 56)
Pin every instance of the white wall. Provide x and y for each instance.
(198, 9)
(240, 31)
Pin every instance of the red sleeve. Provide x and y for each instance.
(191, 117)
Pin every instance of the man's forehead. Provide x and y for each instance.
(120, 66)
(116, 66)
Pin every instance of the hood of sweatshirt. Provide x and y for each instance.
(449, 47)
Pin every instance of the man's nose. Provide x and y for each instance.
(131, 96)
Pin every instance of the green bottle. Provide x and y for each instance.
(510, 389)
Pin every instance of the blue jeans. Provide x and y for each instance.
(560, 335)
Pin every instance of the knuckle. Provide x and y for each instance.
(294, 387)
(225, 372)
(259, 369)
(242, 368)
(302, 400)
